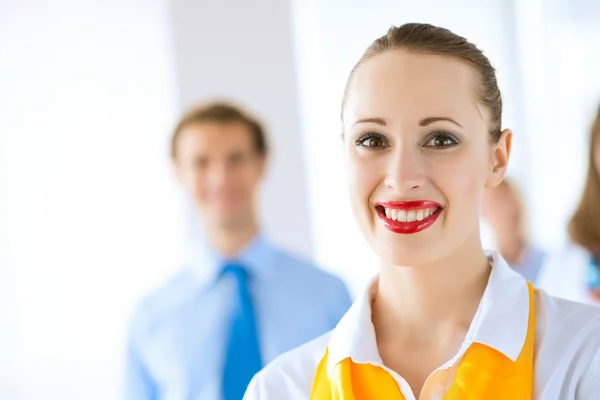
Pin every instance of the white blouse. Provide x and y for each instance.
(567, 346)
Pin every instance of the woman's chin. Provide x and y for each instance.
(409, 255)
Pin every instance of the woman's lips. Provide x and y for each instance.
(408, 217)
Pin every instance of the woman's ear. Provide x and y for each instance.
(499, 157)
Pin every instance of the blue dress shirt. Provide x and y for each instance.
(178, 334)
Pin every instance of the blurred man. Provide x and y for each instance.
(242, 301)
(504, 211)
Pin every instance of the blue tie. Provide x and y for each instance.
(242, 354)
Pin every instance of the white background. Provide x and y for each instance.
(90, 218)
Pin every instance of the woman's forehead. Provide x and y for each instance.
(412, 83)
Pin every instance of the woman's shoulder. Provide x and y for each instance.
(567, 326)
(567, 346)
(566, 317)
(289, 376)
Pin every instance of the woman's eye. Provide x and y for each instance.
(442, 140)
(371, 140)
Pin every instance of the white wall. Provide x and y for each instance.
(89, 218)
(561, 83)
(330, 37)
(243, 50)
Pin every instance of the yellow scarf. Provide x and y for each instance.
(483, 373)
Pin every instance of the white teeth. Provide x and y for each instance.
(409, 216)
(401, 216)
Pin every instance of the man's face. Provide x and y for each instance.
(502, 210)
(220, 167)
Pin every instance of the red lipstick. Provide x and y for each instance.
(406, 207)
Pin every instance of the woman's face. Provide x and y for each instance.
(419, 155)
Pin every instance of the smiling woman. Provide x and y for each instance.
(415, 128)
(443, 318)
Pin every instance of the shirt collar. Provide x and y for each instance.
(500, 322)
(207, 263)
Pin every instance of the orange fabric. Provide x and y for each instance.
(482, 373)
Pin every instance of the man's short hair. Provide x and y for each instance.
(223, 113)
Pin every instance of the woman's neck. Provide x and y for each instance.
(429, 302)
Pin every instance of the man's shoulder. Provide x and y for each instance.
(163, 300)
(297, 265)
(289, 376)
(568, 253)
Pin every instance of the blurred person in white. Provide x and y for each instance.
(241, 301)
(444, 318)
(573, 272)
(504, 210)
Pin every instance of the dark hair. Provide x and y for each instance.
(223, 113)
(429, 39)
(584, 226)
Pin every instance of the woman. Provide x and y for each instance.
(574, 272)
(443, 319)
(504, 210)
